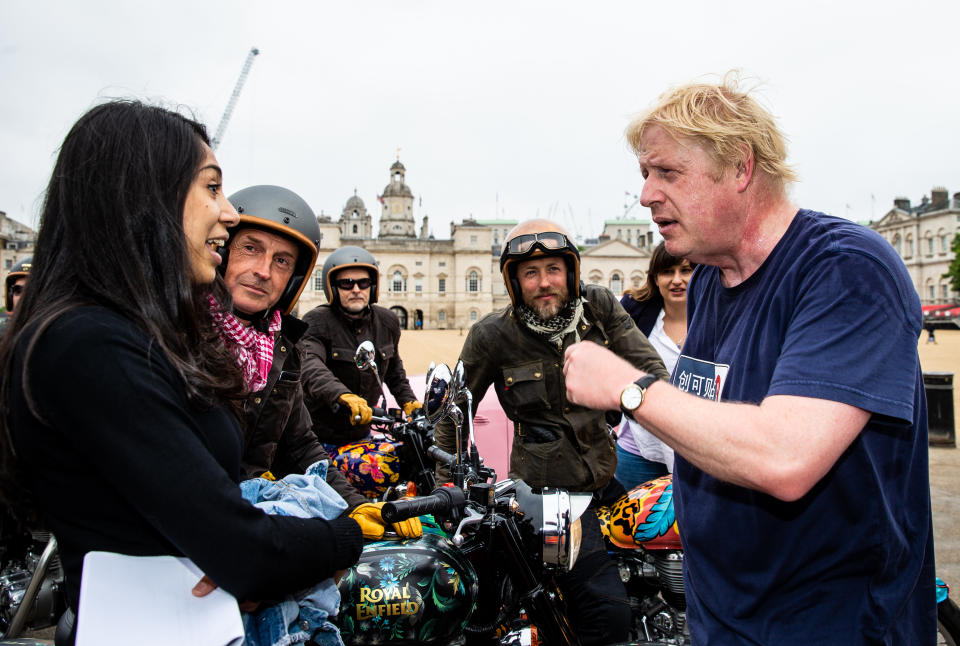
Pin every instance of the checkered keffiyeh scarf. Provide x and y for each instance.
(253, 349)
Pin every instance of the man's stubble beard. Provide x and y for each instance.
(546, 311)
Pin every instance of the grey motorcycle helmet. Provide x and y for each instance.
(18, 271)
(280, 210)
(346, 258)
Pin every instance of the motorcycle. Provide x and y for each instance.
(644, 542)
(492, 580)
(31, 581)
(395, 461)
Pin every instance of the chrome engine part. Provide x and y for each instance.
(14, 579)
(669, 565)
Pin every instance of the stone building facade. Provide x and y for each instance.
(16, 243)
(922, 235)
(451, 283)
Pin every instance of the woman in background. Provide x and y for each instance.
(115, 391)
(659, 308)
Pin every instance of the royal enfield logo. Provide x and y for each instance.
(385, 602)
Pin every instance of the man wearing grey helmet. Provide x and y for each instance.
(267, 258)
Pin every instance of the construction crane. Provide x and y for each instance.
(231, 104)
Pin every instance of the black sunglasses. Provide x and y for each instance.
(346, 284)
(548, 241)
(16, 290)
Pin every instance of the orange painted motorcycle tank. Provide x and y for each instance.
(643, 517)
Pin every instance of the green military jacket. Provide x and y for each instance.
(527, 373)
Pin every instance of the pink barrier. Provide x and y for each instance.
(494, 432)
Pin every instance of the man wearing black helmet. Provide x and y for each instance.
(557, 443)
(340, 395)
(266, 261)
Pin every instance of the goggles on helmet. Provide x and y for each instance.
(547, 240)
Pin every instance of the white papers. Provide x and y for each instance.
(146, 600)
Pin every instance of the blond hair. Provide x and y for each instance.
(725, 120)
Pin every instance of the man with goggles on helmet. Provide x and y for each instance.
(557, 443)
(340, 395)
(15, 284)
(266, 262)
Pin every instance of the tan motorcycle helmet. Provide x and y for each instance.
(532, 239)
(349, 257)
(280, 210)
(19, 270)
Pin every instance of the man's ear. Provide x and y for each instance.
(744, 169)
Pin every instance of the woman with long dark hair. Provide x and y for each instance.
(659, 308)
(115, 390)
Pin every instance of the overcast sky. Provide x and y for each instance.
(507, 109)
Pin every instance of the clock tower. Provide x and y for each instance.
(396, 220)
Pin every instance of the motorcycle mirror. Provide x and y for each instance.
(438, 393)
(458, 382)
(365, 356)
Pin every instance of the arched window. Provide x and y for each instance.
(398, 284)
(897, 244)
(473, 282)
(473, 316)
(616, 284)
(909, 248)
(442, 317)
(355, 229)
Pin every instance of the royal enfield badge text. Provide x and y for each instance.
(385, 602)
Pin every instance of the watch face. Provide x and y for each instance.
(631, 397)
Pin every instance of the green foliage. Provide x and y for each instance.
(953, 273)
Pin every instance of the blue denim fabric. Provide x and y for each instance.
(633, 470)
(305, 615)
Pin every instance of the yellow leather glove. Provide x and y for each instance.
(409, 407)
(360, 412)
(372, 526)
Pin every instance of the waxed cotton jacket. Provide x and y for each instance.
(556, 443)
(329, 369)
(279, 434)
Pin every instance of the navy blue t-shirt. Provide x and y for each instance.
(830, 314)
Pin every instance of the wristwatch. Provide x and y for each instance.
(632, 396)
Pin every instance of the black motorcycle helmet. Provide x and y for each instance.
(534, 238)
(346, 258)
(280, 210)
(19, 270)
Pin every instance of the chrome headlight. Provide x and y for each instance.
(561, 532)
